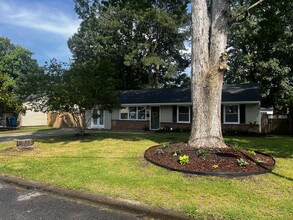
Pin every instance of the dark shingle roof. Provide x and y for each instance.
(231, 93)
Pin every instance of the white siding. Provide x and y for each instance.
(32, 118)
(166, 113)
(115, 114)
(108, 120)
(252, 114)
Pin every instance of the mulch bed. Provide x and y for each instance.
(217, 162)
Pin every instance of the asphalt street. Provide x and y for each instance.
(21, 204)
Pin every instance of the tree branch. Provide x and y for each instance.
(245, 13)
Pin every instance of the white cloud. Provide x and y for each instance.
(38, 17)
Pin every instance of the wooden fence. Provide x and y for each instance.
(276, 124)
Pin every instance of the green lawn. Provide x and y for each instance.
(27, 129)
(113, 164)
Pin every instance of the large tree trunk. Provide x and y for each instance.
(210, 28)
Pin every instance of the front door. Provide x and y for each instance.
(97, 118)
(155, 118)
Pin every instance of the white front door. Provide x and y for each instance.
(98, 118)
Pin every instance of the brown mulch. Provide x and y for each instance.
(211, 161)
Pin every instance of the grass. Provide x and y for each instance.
(113, 164)
(26, 129)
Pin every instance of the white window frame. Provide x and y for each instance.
(136, 110)
(238, 113)
(186, 113)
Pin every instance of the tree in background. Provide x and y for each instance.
(144, 40)
(15, 63)
(261, 51)
(74, 90)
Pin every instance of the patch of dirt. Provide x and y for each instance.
(211, 161)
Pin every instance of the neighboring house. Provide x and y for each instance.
(32, 118)
(171, 107)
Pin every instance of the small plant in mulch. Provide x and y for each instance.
(184, 159)
(160, 151)
(241, 162)
(251, 152)
(258, 161)
(165, 145)
(176, 153)
(215, 166)
(202, 153)
(218, 161)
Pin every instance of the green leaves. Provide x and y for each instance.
(15, 64)
(143, 40)
(261, 51)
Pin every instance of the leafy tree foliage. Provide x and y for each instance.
(73, 90)
(262, 51)
(15, 63)
(144, 40)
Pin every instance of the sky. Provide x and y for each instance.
(41, 26)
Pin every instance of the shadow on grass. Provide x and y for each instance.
(281, 176)
(133, 137)
(277, 146)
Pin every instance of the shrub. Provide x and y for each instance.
(159, 151)
(203, 153)
(184, 159)
(176, 153)
(251, 152)
(241, 162)
(165, 145)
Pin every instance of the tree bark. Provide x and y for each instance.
(210, 29)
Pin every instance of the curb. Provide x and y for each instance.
(115, 203)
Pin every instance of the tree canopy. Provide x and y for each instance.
(144, 40)
(15, 63)
(261, 51)
(75, 90)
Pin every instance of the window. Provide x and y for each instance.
(133, 113)
(231, 114)
(141, 113)
(124, 113)
(183, 114)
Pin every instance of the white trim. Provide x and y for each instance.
(238, 111)
(178, 121)
(185, 103)
(136, 119)
(98, 120)
(155, 104)
(242, 102)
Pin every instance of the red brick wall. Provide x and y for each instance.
(129, 125)
(140, 125)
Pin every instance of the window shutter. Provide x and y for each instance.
(174, 113)
(222, 113)
(191, 113)
(242, 114)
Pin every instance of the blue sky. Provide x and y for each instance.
(42, 26)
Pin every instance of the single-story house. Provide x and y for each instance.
(171, 107)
